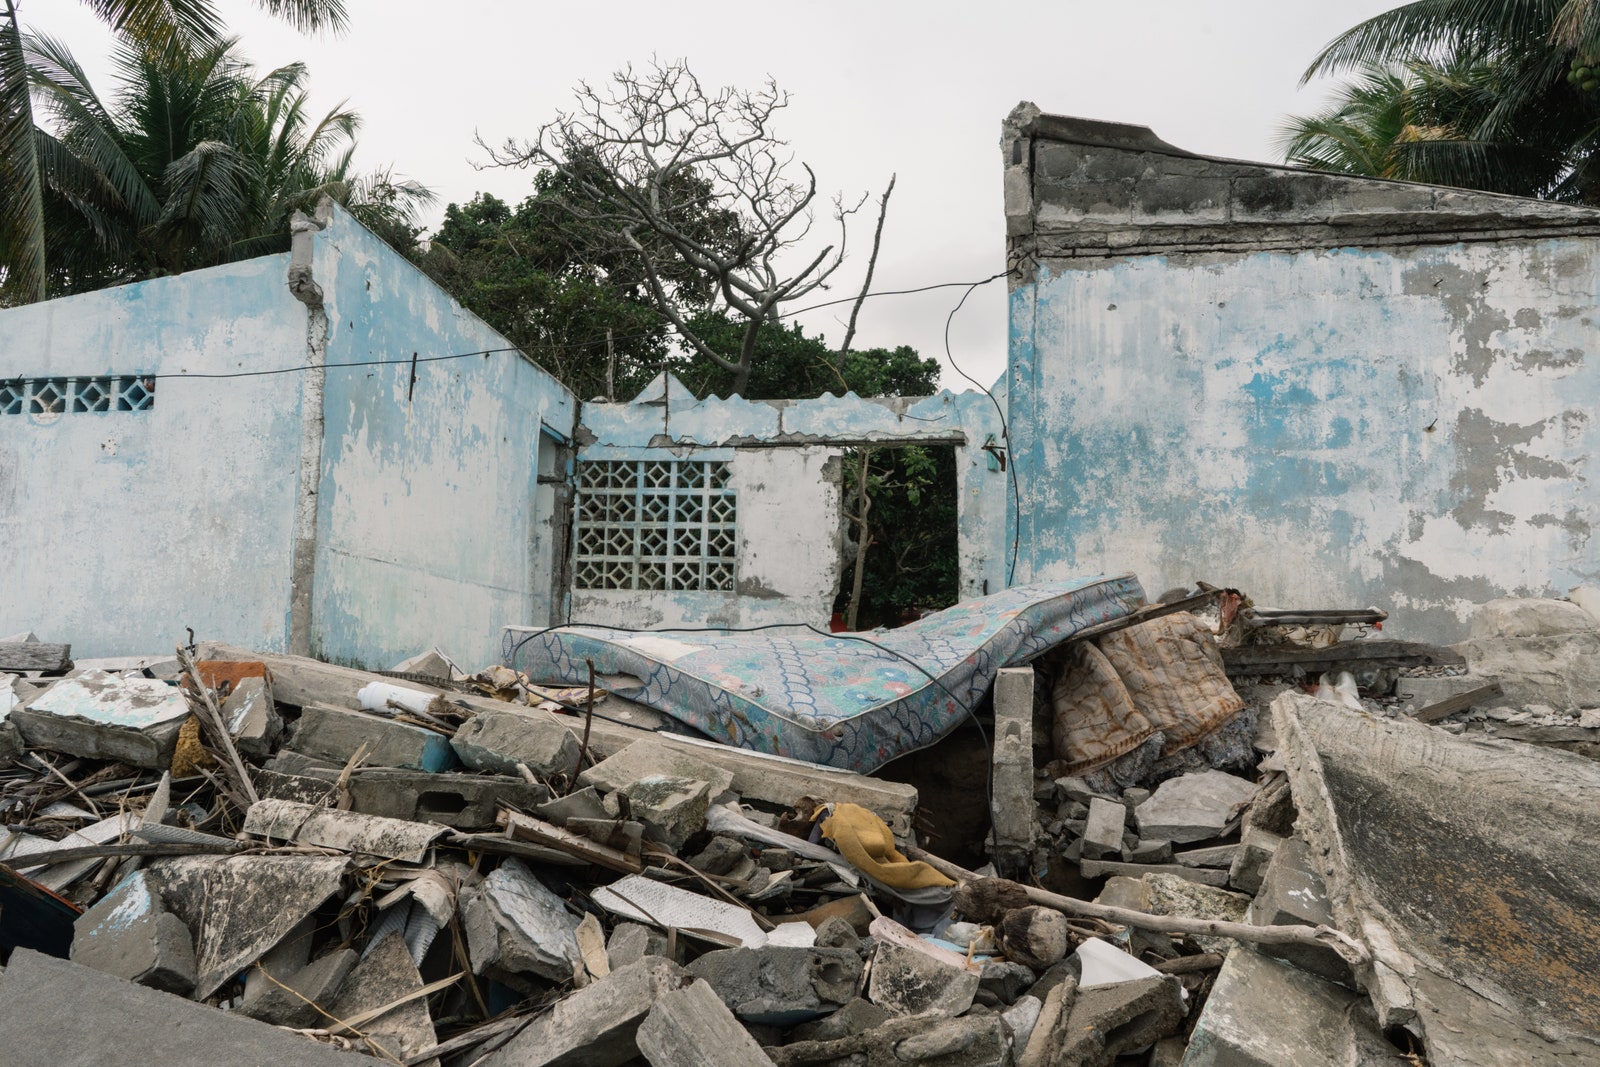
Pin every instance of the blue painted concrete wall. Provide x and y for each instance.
(1412, 427)
(118, 529)
(432, 528)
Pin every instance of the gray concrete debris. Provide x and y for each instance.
(252, 718)
(598, 1025)
(1293, 892)
(1011, 766)
(1193, 807)
(1426, 837)
(54, 1013)
(672, 809)
(1108, 1020)
(237, 907)
(1021, 1018)
(1102, 836)
(99, 715)
(644, 758)
(131, 934)
(497, 741)
(336, 734)
(1249, 866)
(691, 1027)
(1001, 982)
(1529, 617)
(1264, 1013)
(1114, 868)
(515, 925)
(462, 801)
(856, 1017)
(975, 1040)
(631, 942)
(309, 987)
(912, 977)
(781, 985)
(1561, 670)
(1218, 856)
(385, 975)
(347, 831)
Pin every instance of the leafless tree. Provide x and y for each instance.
(696, 185)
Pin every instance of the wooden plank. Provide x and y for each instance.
(1278, 659)
(527, 828)
(1460, 702)
(34, 656)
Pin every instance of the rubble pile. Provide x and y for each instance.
(297, 862)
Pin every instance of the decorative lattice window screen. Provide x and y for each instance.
(655, 524)
(58, 396)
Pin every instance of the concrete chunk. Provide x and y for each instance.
(317, 982)
(780, 985)
(1103, 835)
(1112, 868)
(631, 942)
(1264, 1013)
(975, 1040)
(496, 741)
(514, 924)
(1250, 863)
(336, 734)
(1108, 1020)
(59, 1014)
(1292, 892)
(912, 977)
(691, 1027)
(462, 801)
(1012, 765)
(644, 758)
(672, 809)
(1529, 617)
(252, 718)
(348, 831)
(130, 934)
(100, 715)
(1193, 807)
(385, 975)
(598, 1025)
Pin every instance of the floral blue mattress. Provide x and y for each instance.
(854, 701)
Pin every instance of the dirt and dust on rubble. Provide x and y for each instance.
(1190, 832)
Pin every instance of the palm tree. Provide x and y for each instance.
(154, 23)
(1503, 91)
(195, 161)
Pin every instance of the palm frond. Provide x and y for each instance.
(22, 248)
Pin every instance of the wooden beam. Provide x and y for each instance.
(1460, 702)
(1280, 659)
(34, 656)
(527, 828)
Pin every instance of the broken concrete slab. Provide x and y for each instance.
(856, 1017)
(462, 801)
(130, 934)
(632, 942)
(54, 1013)
(672, 809)
(644, 758)
(1469, 867)
(1193, 807)
(975, 1040)
(384, 975)
(1249, 865)
(648, 901)
(1115, 868)
(1293, 892)
(1219, 856)
(1011, 767)
(691, 1027)
(100, 715)
(911, 976)
(1102, 836)
(347, 831)
(33, 655)
(598, 1025)
(498, 740)
(237, 907)
(1170, 895)
(1529, 617)
(336, 734)
(1264, 1013)
(252, 718)
(309, 987)
(780, 985)
(1108, 1020)
(1562, 671)
(516, 925)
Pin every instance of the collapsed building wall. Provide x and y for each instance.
(1321, 389)
(727, 512)
(353, 510)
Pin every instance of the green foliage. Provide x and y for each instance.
(1466, 93)
(912, 562)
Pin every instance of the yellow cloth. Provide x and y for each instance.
(864, 839)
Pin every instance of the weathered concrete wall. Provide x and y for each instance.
(120, 528)
(784, 461)
(1326, 391)
(433, 527)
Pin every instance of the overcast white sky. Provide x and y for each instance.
(880, 88)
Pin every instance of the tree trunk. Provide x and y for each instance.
(863, 537)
